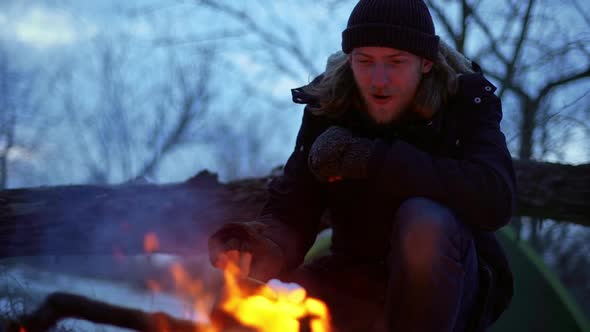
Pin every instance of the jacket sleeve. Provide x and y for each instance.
(296, 199)
(480, 187)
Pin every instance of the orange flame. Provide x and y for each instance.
(150, 243)
(265, 309)
(271, 309)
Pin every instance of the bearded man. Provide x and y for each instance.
(400, 147)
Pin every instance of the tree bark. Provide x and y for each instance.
(553, 191)
(114, 219)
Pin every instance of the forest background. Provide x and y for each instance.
(104, 92)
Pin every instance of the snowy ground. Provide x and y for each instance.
(24, 282)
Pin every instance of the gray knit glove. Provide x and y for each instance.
(337, 154)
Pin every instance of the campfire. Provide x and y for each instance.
(245, 304)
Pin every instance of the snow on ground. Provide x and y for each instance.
(109, 279)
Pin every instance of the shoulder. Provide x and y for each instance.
(475, 89)
(475, 102)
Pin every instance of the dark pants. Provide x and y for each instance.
(427, 283)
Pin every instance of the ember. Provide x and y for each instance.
(150, 243)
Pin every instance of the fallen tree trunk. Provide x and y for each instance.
(114, 219)
(553, 191)
(74, 220)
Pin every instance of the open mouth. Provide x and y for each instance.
(381, 99)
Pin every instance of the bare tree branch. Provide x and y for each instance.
(493, 46)
(581, 11)
(209, 37)
(546, 89)
(510, 69)
(444, 19)
(272, 39)
(195, 101)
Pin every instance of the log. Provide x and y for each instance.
(553, 191)
(59, 306)
(85, 219)
(113, 220)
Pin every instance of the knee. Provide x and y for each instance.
(422, 231)
(423, 218)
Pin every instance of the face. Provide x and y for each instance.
(387, 79)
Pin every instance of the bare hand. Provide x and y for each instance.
(240, 259)
(240, 244)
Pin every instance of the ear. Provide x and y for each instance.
(426, 65)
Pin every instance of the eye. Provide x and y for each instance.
(397, 61)
(363, 61)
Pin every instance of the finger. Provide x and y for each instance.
(226, 258)
(218, 248)
(334, 178)
(245, 263)
(221, 261)
(233, 257)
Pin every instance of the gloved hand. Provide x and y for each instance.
(242, 244)
(337, 153)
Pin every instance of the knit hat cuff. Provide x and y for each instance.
(394, 36)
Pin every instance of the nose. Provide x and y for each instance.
(379, 75)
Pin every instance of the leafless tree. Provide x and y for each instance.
(530, 52)
(20, 125)
(133, 123)
(263, 41)
(8, 120)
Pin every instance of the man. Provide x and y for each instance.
(400, 143)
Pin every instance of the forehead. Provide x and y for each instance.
(376, 51)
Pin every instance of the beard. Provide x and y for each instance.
(387, 113)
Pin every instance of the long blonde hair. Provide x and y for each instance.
(337, 90)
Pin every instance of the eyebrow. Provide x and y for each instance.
(386, 56)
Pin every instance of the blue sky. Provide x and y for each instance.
(48, 34)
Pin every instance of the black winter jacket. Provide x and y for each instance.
(458, 158)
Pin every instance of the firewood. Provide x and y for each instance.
(58, 306)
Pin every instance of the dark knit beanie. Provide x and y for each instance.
(401, 24)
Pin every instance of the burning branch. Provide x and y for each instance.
(60, 306)
(247, 305)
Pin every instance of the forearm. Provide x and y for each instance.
(479, 188)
